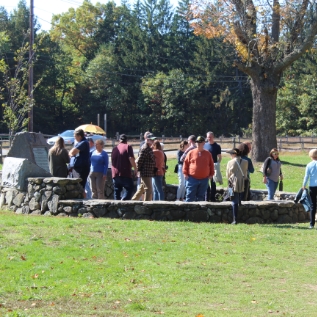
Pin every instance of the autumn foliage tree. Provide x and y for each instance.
(268, 36)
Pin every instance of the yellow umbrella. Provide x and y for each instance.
(91, 128)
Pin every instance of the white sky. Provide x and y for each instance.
(44, 9)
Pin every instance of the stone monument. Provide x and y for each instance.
(27, 157)
(16, 171)
(31, 146)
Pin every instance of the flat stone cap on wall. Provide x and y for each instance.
(250, 212)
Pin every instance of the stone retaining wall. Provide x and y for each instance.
(250, 212)
(43, 195)
(62, 197)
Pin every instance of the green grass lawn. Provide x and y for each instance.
(293, 167)
(54, 266)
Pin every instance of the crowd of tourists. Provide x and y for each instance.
(198, 169)
(87, 160)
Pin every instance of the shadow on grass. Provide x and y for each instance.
(292, 226)
(292, 164)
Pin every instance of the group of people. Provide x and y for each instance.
(198, 159)
(86, 160)
(197, 163)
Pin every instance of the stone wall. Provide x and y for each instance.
(62, 197)
(250, 212)
(42, 195)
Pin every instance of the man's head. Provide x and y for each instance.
(146, 134)
(200, 141)
(123, 138)
(150, 138)
(210, 137)
(79, 135)
(91, 142)
(191, 139)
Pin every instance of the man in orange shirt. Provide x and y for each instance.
(198, 168)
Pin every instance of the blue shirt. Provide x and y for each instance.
(99, 162)
(214, 150)
(311, 173)
(250, 164)
(82, 158)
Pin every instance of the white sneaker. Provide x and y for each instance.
(177, 200)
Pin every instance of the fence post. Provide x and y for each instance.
(239, 138)
(163, 138)
(280, 145)
(141, 136)
(234, 142)
(113, 143)
(181, 138)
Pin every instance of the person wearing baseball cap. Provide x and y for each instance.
(198, 168)
(122, 159)
(146, 168)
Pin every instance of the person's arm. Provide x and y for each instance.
(65, 156)
(211, 167)
(306, 177)
(265, 165)
(131, 158)
(219, 158)
(186, 166)
(132, 162)
(250, 166)
(73, 152)
(106, 163)
(78, 147)
(140, 160)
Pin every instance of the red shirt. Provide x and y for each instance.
(121, 165)
(198, 164)
(159, 162)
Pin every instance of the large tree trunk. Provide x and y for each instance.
(264, 93)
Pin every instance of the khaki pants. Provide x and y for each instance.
(97, 185)
(146, 188)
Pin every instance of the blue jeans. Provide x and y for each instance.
(157, 183)
(271, 188)
(119, 183)
(88, 190)
(235, 202)
(181, 183)
(195, 189)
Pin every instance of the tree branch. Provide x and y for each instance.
(276, 17)
(299, 21)
(290, 58)
(247, 70)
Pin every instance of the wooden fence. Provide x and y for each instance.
(171, 143)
